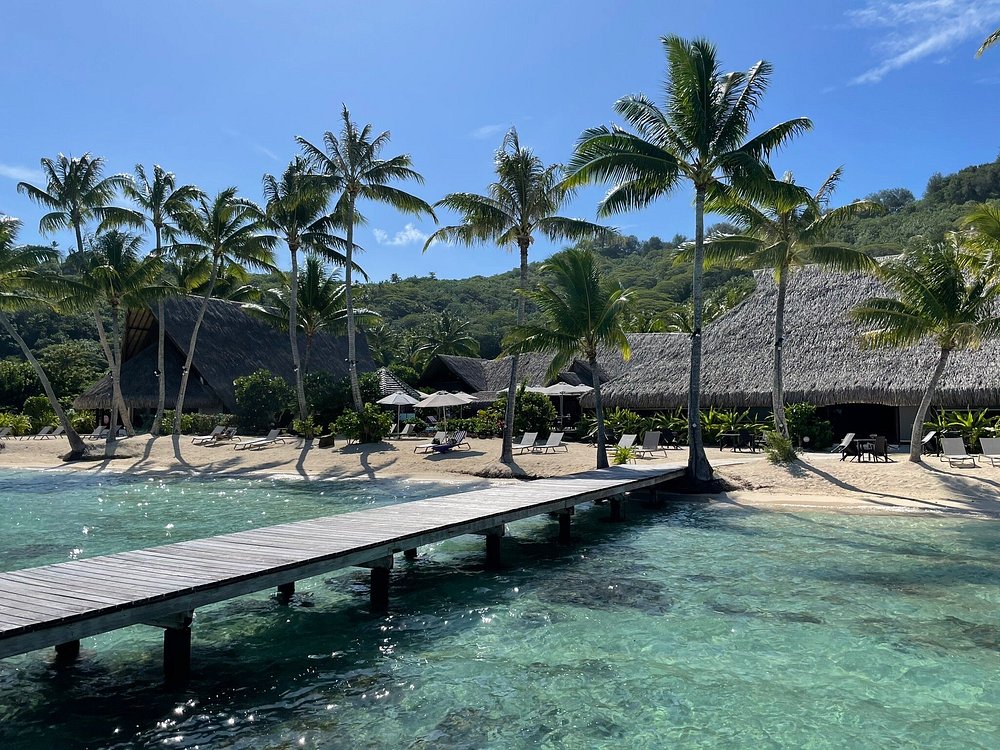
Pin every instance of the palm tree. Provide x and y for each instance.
(989, 42)
(75, 192)
(522, 202)
(939, 295)
(114, 275)
(225, 230)
(353, 168)
(160, 203)
(23, 285)
(320, 307)
(579, 314)
(701, 138)
(785, 231)
(295, 208)
(448, 335)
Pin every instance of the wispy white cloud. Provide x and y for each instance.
(488, 131)
(27, 174)
(408, 235)
(265, 151)
(911, 30)
(252, 145)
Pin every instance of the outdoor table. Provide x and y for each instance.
(731, 440)
(862, 446)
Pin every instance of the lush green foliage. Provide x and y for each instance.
(969, 425)
(327, 397)
(72, 366)
(715, 422)
(17, 382)
(369, 426)
(533, 412)
(621, 454)
(38, 409)
(18, 423)
(778, 449)
(195, 424)
(261, 398)
(803, 422)
(308, 428)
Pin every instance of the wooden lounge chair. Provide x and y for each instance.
(991, 450)
(449, 445)
(953, 451)
(650, 444)
(844, 446)
(553, 443)
(438, 439)
(526, 443)
(209, 438)
(928, 446)
(271, 439)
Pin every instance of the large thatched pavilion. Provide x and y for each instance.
(231, 343)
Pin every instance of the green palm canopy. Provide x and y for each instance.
(701, 137)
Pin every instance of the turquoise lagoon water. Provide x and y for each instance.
(686, 627)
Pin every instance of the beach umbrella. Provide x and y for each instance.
(561, 389)
(399, 399)
(442, 400)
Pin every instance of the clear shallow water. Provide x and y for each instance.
(685, 627)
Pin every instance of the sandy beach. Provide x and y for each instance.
(818, 481)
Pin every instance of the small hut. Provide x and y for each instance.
(231, 343)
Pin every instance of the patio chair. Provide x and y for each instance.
(553, 443)
(953, 451)
(526, 443)
(449, 445)
(270, 439)
(744, 441)
(991, 450)
(209, 438)
(668, 439)
(42, 434)
(438, 439)
(879, 449)
(928, 444)
(650, 444)
(844, 446)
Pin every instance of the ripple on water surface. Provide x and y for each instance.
(684, 627)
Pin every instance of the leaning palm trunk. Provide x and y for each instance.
(602, 440)
(161, 400)
(293, 331)
(186, 372)
(507, 451)
(777, 376)
(352, 359)
(916, 445)
(117, 401)
(698, 467)
(76, 446)
(122, 408)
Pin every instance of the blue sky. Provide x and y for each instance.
(215, 91)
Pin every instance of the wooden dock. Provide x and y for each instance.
(57, 605)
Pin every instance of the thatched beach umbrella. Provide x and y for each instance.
(399, 400)
(442, 400)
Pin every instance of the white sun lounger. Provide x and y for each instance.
(271, 439)
(526, 443)
(991, 450)
(553, 443)
(42, 434)
(651, 444)
(428, 447)
(953, 451)
(5, 433)
(210, 437)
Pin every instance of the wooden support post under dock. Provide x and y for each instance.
(494, 546)
(410, 553)
(617, 503)
(286, 591)
(564, 525)
(176, 646)
(68, 651)
(378, 596)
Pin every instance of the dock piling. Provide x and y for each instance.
(565, 517)
(378, 596)
(286, 591)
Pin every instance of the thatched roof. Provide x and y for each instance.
(823, 362)
(389, 384)
(231, 343)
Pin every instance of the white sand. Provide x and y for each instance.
(818, 481)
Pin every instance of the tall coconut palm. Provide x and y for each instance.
(448, 335)
(225, 230)
(354, 169)
(785, 230)
(579, 315)
(115, 275)
(75, 192)
(702, 138)
(159, 203)
(321, 306)
(941, 294)
(24, 285)
(522, 202)
(296, 208)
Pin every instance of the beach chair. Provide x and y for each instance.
(953, 451)
(42, 434)
(270, 439)
(553, 443)
(991, 450)
(409, 430)
(438, 439)
(449, 445)
(928, 445)
(526, 443)
(627, 441)
(879, 449)
(5, 433)
(650, 444)
(227, 434)
(98, 433)
(209, 438)
(844, 446)
(59, 431)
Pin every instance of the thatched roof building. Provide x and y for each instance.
(231, 343)
(824, 363)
